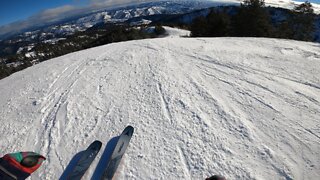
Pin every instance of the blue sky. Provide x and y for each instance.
(17, 15)
(13, 10)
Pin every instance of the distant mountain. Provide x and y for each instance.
(138, 14)
(81, 22)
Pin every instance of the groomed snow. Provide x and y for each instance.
(246, 108)
(174, 32)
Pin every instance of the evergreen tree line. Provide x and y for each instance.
(253, 19)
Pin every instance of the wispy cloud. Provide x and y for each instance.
(114, 2)
(96, 4)
(54, 14)
(59, 13)
(41, 18)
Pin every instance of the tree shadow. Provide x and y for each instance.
(71, 165)
(103, 162)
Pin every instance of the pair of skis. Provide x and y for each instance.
(91, 152)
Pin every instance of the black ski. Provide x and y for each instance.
(117, 153)
(85, 161)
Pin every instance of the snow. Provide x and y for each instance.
(246, 108)
(14, 64)
(30, 54)
(289, 4)
(54, 40)
(141, 22)
(170, 32)
(286, 4)
(174, 32)
(20, 50)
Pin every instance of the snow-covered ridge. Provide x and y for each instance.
(246, 108)
(172, 7)
(289, 4)
(286, 4)
(121, 14)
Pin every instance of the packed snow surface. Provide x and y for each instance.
(174, 32)
(246, 108)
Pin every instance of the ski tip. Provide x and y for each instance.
(97, 143)
(129, 128)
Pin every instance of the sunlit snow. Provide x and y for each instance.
(245, 108)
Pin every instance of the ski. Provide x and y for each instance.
(85, 161)
(117, 153)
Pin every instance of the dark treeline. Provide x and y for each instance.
(253, 19)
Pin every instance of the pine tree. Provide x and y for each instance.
(252, 20)
(219, 24)
(303, 22)
(199, 27)
(159, 30)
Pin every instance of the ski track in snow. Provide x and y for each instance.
(246, 108)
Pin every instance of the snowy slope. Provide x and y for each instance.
(242, 107)
(171, 32)
(286, 4)
(290, 4)
(174, 32)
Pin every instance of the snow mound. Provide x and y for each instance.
(246, 108)
(175, 32)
